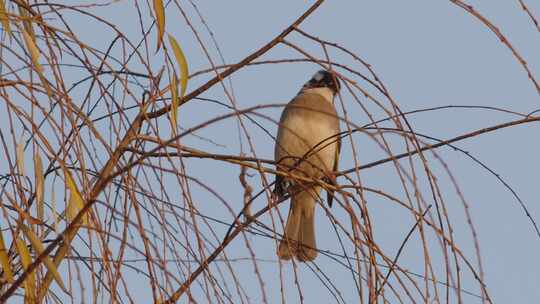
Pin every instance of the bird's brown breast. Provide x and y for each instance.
(306, 122)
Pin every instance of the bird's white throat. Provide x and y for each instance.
(324, 92)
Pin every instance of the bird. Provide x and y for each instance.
(308, 145)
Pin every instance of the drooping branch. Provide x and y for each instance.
(64, 239)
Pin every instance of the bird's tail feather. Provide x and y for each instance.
(287, 246)
(308, 249)
(299, 235)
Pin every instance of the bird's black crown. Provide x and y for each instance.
(324, 79)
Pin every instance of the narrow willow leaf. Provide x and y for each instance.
(76, 202)
(39, 181)
(20, 157)
(159, 9)
(39, 248)
(54, 210)
(174, 102)
(4, 18)
(4, 261)
(29, 39)
(30, 281)
(33, 49)
(182, 64)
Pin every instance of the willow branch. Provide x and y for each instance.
(64, 239)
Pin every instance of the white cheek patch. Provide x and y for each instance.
(318, 76)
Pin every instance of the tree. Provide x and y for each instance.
(113, 191)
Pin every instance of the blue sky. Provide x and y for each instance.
(428, 54)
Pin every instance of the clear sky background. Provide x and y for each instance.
(428, 54)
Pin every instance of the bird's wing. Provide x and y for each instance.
(332, 179)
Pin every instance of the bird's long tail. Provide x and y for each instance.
(299, 235)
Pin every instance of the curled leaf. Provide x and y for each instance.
(4, 261)
(39, 248)
(159, 9)
(182, 64)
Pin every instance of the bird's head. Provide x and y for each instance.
(323, 79)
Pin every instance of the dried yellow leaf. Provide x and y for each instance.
(26, 259)
(20, 156)
(174, 102)
(182, 64)
(39, 248)
(39, 181)
(76, 202)
(4, 18)
(33, 49)
(159, 9)
(75, 205)
(4, 261)
(30, 281)
(29, 39)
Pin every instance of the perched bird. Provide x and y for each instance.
(307, 145)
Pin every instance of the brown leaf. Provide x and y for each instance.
(20, 156)
(159, 9)
(39, 181)
(174, 102)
